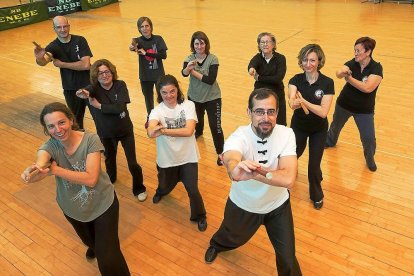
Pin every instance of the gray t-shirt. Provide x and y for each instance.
(199, 91)
(80, 202)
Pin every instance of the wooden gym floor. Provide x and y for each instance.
(366, 226)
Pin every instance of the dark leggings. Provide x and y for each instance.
(101, 234)
(316, 148)
(147, 88)
(111, 148)
(213, 109)
(281, 115)
(76, 105)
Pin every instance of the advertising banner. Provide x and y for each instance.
(16, 16)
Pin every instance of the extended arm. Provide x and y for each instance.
(42, 57)
(39, 169)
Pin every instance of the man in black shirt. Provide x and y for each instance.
(71, 53)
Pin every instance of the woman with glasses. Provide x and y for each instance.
(108, 98)
(202, 67)
(363, 76)
(268, 68)
(83, 191)
(172, 124)
(151, 50)
(311, 91)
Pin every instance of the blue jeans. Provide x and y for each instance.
(365, 124)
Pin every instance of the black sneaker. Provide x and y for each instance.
(202, 224)
(156, 198)
(318, 204)
(90, 254)
(210, 255)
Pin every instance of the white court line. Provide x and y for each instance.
(28, 63)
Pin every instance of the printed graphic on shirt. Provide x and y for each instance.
(364, 79)
(83, 196)
(77, 51)
(179, 122)
(319, 94)
(153, 64)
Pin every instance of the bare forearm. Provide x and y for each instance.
(177, 132)
(81, 178)
(280, 178)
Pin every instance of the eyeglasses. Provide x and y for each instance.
(64, 27)
(261, 112)
(106, 72)
(267, 42)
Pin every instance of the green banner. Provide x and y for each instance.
(13, 17)
(93, 4)
(61, 7)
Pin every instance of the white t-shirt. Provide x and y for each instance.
(175, 151)
(252, 195)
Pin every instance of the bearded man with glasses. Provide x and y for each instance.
(261, 162)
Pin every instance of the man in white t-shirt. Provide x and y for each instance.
(260, 159)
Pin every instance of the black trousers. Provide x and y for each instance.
(188, 174)
(213, 109)
(111, 148)
(101, 234)
(281, 115)
(239, 226)
(316, 147)
(76, 105)
(147, 88)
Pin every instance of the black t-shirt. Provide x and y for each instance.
(313, 93)
(112, 120)
(72, 51)
(270, 74)
(351, 98)
(150, 65)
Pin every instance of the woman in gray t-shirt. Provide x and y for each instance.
(202, 67)
(83, 191)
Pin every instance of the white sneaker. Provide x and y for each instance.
(142, 196)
